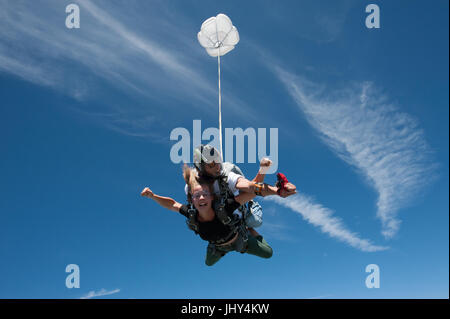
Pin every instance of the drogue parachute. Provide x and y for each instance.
(218, 36)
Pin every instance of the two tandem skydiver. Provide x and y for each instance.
(220, 204)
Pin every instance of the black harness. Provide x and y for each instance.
(235, 223)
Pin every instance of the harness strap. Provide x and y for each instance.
(191, 221)
(220, 207)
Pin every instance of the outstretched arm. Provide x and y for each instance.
(165, 202)
(246, 186)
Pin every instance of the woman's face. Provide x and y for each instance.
(202, 198)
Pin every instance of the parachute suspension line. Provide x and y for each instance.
(220, 107)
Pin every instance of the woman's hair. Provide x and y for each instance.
(192, 180)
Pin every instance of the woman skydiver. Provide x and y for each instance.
(204, 220)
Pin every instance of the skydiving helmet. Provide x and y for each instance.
(205, 154)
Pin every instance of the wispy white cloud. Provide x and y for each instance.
(148, 61)
(103, 44)
(21, 69)
(323, 218)
(364, 129)
(102, 292)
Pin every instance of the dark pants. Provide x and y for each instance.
(255, 246)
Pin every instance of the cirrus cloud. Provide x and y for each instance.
(366, 130)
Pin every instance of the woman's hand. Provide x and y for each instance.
(265, 162)
(264, 165)
(165, 202)
(147, 192)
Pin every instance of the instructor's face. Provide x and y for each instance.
(213, 169)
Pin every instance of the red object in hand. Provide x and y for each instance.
(281, 183)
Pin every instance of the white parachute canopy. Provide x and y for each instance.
(218, 36)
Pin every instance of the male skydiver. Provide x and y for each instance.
(228, 179)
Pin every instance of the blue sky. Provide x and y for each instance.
(86, 116)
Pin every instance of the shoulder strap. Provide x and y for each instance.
(191, 220)
(221, 201)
